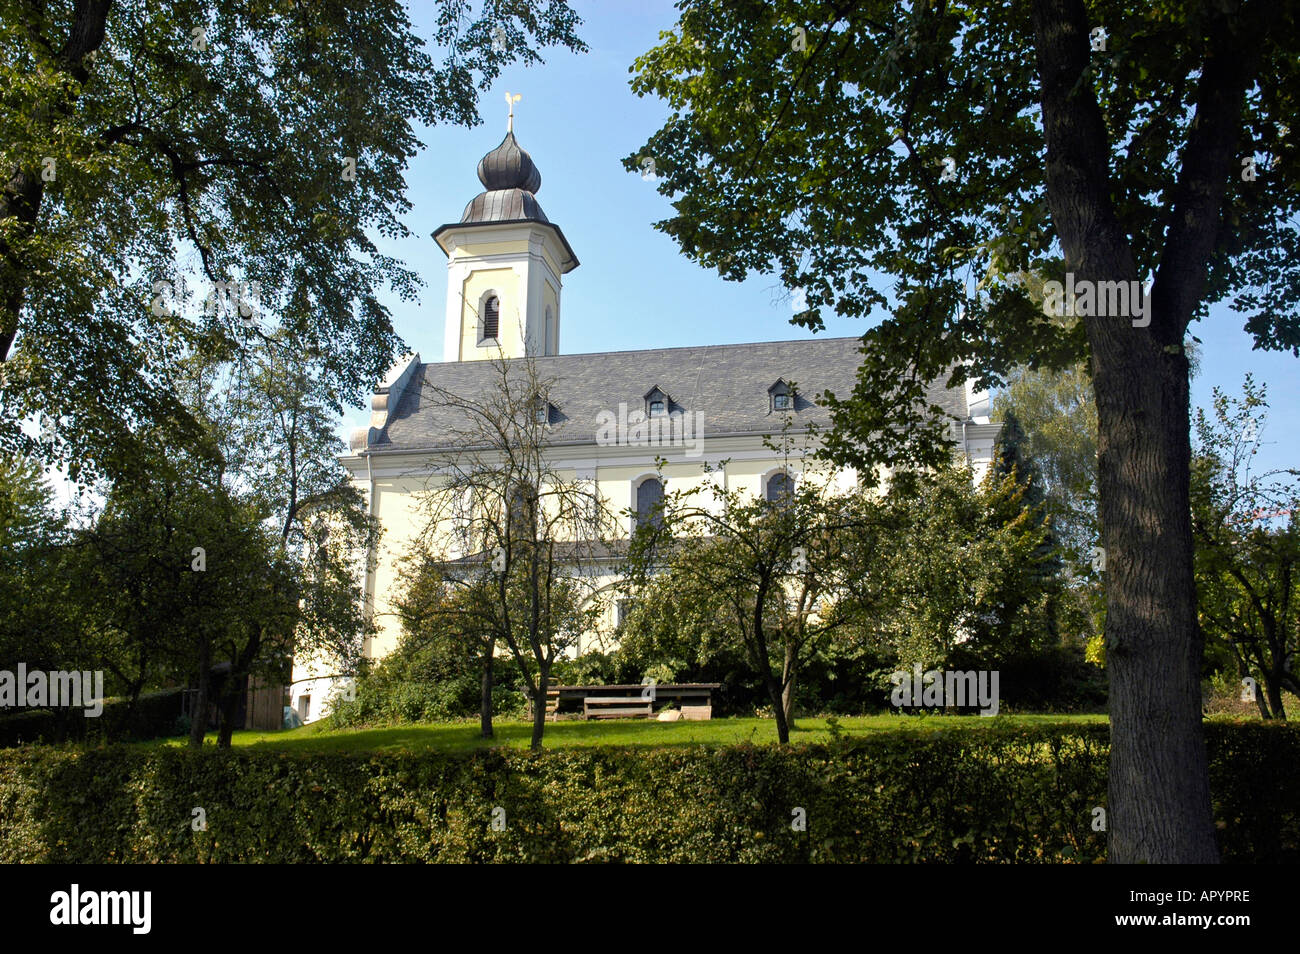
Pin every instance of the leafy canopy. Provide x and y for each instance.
(891, 158)
(216, 142)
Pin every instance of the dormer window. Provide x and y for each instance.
(657, 402)
(491, 317)
(542, 411)
(781, 396)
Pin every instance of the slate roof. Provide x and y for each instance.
(728, 384)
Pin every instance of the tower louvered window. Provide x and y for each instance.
(491, 317)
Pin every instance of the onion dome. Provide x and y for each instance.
(509, 167)
(510, 178)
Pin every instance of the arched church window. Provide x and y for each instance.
(491, 317)
(548, 346)
(649, 503)
(779, 487)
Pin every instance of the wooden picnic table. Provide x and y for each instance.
(631, 699)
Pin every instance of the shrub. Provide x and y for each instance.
(966, 795)
(426, 685)
(590, 669)
(154, 717)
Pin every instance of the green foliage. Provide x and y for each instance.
(940, 571)
(897, 157)
(154, 715)
(430, 681)
(1056, 414)
(766, 581)
(1058, 417)
(966, 573)
(223, 156)
(1247, 550)
(153, 611)
(280, 528)
(988, 795)
(592, 668)
(42, 608)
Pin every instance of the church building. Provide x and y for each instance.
(506, 262)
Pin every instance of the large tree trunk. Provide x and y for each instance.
(1275, 702)
(1159, 793)
(485, 692)
(1159, 798)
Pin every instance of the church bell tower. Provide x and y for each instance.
(505, 260)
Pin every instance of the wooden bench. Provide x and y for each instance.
(631, 699)
(616, 707)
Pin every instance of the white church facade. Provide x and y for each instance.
(712, 404)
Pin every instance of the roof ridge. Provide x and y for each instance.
(709, 347)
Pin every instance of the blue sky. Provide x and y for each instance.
(578, 118)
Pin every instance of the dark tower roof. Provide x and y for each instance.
(511, 179)
(509, 167)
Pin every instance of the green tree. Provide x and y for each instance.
(672, 627)
(274, 415)
(235, 556)
(44, 620)
(523, 538)
(771, 569)
(177, 570)
(255, 147)
(889, 156)
(1058, 418)
(968, 570)
(1247, 547)
(448, 608)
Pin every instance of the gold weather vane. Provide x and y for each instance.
(510, 101)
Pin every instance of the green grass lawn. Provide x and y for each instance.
(463, 736)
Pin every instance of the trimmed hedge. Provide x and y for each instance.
(155, 717)
(958, 795)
